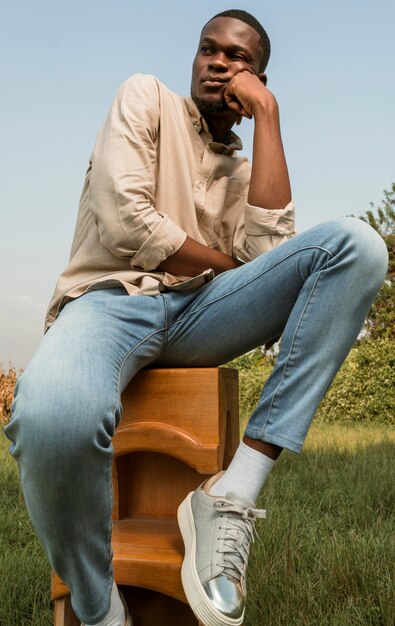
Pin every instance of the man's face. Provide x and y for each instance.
(227, 46)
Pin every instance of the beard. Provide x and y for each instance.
(209, 107)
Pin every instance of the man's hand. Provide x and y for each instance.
(247, 95)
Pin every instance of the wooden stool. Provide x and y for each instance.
(178, 427)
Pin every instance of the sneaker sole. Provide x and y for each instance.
(193, 588)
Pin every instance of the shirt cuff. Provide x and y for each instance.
(259, 221)
(161, 243)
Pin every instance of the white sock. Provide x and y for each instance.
(116, 615)
(245, 475)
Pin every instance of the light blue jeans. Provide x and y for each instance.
(315, 289)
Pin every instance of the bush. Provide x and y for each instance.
(7, 384)
(363, 390)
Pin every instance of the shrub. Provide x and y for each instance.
(7, 384)
(363, 390)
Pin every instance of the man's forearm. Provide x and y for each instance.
(247, 96)
(193, 258)
(269, 186)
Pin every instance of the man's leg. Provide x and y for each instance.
(66, 407)
(316, 290)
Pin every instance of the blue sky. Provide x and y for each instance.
(61, 63)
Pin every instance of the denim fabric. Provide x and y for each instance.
(315, 289)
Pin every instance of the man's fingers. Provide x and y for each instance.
(236, 106)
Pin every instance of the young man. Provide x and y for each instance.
(176, 262)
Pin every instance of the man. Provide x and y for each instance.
(176, 261)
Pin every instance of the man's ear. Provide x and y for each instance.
(263, 78)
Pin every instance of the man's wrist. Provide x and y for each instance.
(229, 263)
(265, 109)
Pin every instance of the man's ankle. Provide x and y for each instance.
(269, 449)
(116, 615)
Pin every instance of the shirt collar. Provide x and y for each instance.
(200, 125)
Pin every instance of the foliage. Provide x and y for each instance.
(384, 221)
(363, 390)
(7, 384)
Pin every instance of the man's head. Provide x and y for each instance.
(232, 41)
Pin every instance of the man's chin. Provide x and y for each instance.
(210, 107)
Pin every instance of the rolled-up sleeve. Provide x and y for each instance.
(123, 179)
(264, 229)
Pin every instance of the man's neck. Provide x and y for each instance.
(220, 125)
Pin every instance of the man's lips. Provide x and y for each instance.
(214, 81)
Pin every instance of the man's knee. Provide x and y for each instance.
(54, 421)
(352, 241)
(370, 251)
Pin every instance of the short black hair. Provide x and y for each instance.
(249, 19)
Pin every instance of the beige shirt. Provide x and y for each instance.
(156, 176)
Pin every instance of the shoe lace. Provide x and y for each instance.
(238, 526)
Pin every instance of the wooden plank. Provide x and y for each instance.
(153, 485)
(184, 398)
(170, 440)
(64, 614)
(148, 553)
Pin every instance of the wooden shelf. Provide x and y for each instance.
(148, 553)
(178, 427)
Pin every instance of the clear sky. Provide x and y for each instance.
(332, 71)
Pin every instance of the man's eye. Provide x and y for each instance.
(205, 49)
(240, 57)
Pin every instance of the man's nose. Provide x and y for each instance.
(219, 62)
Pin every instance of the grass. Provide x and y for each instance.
(325, 555)
(24, 571)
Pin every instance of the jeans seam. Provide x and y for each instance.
(251, 280)
(167, 307)
(110, 572)
(290, 351)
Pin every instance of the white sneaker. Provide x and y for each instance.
(217, 533)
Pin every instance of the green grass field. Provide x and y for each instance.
(325, 555)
